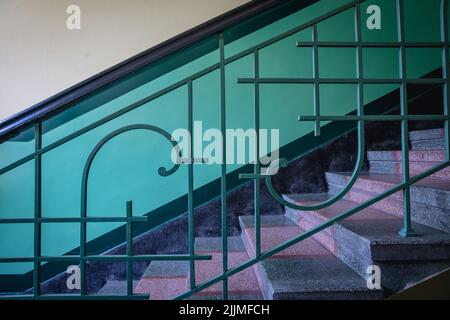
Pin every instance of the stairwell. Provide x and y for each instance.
(333, 263)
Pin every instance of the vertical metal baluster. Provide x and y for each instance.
(445, 74)
(129, 231)
(37, 208)
(407, 230)
(360, 76)
(256, 185)
(316, 75)
(83, 239)
(191, 221)
(224, 167)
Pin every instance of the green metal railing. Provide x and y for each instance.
(360, 118)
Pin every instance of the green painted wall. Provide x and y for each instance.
(126, 169)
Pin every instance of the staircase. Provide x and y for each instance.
(133, 216)
(333, 263)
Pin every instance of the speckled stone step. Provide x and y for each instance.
(427, 139)
(430, 198)
(420, 160)
(115, 287)
(371, 237)
(165, 280)
(305, 270)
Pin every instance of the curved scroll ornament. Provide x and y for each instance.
(356, 171)
(162, 171)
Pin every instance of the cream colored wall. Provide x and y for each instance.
(40, 57)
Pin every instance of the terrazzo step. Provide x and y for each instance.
(427, 139)
(370, 237)
(419, 161)
(430, 198)
(115, 287)
(164, 280)
(304, 271)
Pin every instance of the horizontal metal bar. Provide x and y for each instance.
(251, 176)
(355, 44)
(374, 118)
(339, 81)
(179, 257)
(71, 296)
(72, 220)
(311, 232)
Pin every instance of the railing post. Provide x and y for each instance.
(191, 220)
(316, 76)
(407, 230)
(445, 74)
(37, 208)
(360, 76)
(257, 167)
(129, 231)
(223, 179)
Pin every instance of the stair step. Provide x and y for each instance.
(415, 168)
(305, 270)
(428, 134)
(419, 161)
(428, 144)
(414, 156)
(115, 287)
(371, 237)
(430, 198)
(427, 139)
(164, 280)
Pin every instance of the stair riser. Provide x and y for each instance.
(340, 181)
(414, 156)
(427, 139)
(392, 205)
(419, 194)
(432, 216)
(415, 168)
(431, 144)
(427, 134)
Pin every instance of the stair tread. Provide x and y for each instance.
(378, 227)
(305, 270)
